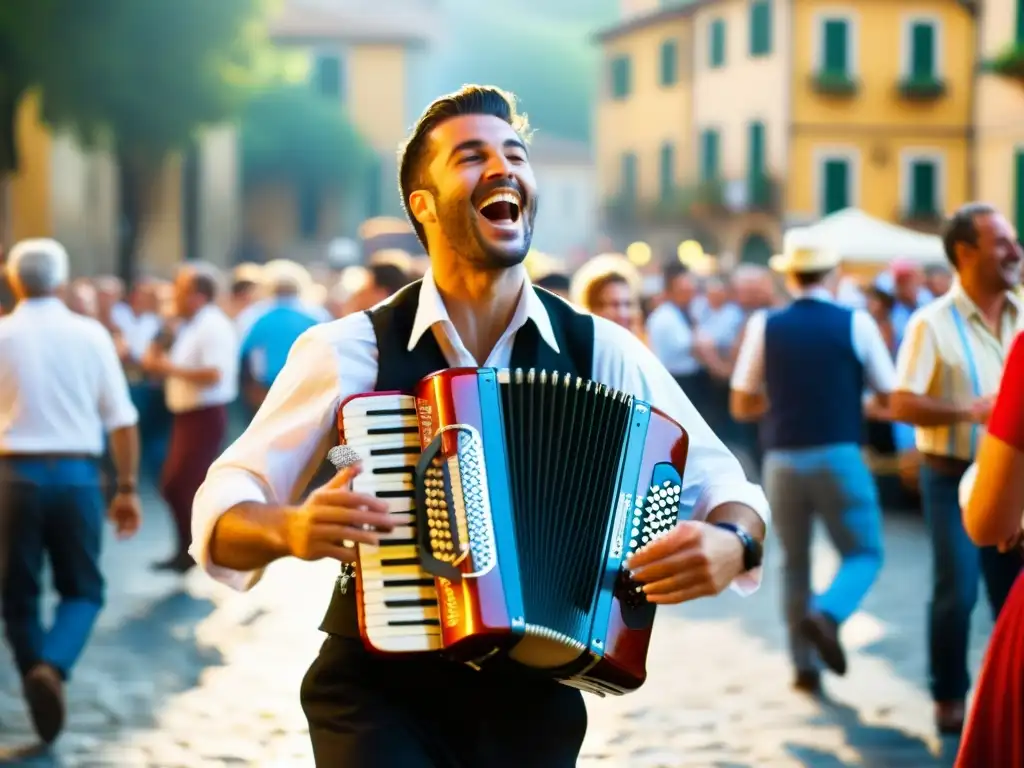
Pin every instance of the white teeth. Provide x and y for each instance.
(501, 197)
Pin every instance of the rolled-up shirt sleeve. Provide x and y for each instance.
(277, 455)
(748, 373)
(713, 474)
(917, 358)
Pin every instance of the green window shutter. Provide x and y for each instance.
(667, 172)
(669, 63)
(621, 76)
(327, 75)
(716, 45)
(709, 156)
(923, 188)
(755, 163)
(922, 47)
(836, 40)
(837, 185)
(629, 177)
(760, 28)
(1020, 22)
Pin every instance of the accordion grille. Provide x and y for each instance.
(565, 438)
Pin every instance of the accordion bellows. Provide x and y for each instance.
(518, 497)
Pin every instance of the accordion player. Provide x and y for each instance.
(518, 497)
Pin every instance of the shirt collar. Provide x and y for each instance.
(431, 311)
(43, 304)
(966, 305)
(819, 292)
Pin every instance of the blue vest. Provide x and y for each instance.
(813, 376)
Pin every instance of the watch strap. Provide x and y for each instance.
(753, 551)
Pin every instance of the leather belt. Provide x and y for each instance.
(945, 465)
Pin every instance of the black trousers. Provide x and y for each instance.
(368, 711)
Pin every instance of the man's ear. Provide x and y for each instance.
(423, 206)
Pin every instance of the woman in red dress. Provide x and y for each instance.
(994, 734)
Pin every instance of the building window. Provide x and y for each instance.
(716, 44)
(629, 184)
(922, 187)
(1019, 38)
(835, 59)
(669, 63)
(327, 75)
(757, 183)
(709, 159)
(309, 211)
(621, 77)
(760, 27)
(922, 63)
(836, 184)
(667, 172)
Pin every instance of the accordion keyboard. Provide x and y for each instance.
(399, 597)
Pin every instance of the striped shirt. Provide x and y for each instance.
(949, 353)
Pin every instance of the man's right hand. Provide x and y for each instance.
(332, 515)
(981, 410)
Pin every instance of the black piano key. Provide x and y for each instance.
(415, 623)
(419, 603)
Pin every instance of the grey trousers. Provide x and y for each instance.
(831, 483)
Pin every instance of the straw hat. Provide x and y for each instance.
(801, 254)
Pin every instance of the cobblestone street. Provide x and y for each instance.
(194, 675)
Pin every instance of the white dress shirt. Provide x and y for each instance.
(288, 439)
(879, 370)
(671, 338)
(138, 331)
(207, 340)
(61, 384)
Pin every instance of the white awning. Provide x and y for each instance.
(862, 239)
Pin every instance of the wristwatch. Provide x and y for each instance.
(753, 551)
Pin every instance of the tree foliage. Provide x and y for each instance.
(291, 133)
(142, 77)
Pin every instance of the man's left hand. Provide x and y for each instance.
(694, 559)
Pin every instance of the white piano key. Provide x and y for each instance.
(395, 552)
(376, 597)
(392, 615)
(390, 461)
(385, 641)
(400, 533)
(370, 570)
(360, 405)
(360, 426)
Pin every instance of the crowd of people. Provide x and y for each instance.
(787, 364)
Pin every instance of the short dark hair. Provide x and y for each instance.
(391, 277)
(468, 100)
(962, 229)
(810, 279)
(672, 270)
(596, 286)
(205, 285)
(242, 287)
(554, 281)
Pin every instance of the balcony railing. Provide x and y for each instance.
(1009, 63)
(830, 83)
(922, 217)
(922, 88)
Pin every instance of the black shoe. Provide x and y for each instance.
(44, 692)
(808, 681)
(823, 631)
(179, 563)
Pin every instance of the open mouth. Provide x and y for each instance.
(503, 208)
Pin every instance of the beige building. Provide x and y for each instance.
(367, 53)
(567, 182)
(999, 113)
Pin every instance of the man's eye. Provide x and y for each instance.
(470, 159)
(517, 158)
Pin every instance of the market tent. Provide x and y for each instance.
(860, 239)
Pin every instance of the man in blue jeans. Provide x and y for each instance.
(948, 369)
(61, 389)
(802, 370)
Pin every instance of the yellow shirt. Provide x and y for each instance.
(949, 353)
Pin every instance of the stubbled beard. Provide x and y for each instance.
(457, 217)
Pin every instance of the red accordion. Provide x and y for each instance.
(517, 496)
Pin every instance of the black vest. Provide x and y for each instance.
(401, 370)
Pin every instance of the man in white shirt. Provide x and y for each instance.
(200, 379)
(61, 389)
(475, 307)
